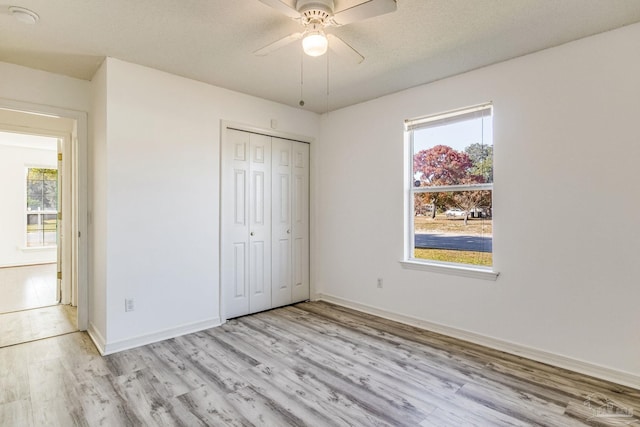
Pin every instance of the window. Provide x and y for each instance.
(42, 207)
(450, 189)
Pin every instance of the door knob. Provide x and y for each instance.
(288, 231)
(252, 233)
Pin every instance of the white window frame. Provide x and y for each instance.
(40, 213)
(409, 261)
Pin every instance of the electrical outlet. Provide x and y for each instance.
(380, 282)
(128, 304)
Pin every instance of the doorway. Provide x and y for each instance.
(41, 274)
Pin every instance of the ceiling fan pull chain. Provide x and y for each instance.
(301, 78)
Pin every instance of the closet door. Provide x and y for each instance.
(281, 222)
(260, 223)
(245, 250)
(290, 219)
(300, 221)
(264, 249)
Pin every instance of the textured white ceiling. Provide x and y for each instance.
(213, 40)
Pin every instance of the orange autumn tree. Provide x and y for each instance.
(441, 165)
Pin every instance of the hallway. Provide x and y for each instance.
(28, 306)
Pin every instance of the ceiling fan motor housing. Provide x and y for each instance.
(315, 11)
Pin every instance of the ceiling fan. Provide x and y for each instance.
(316, 15)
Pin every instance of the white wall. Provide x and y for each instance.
(161, 196)
(98, 232)
(39, 87)
(566, 242)
(14, 159)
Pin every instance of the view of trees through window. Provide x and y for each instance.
(452, 188)
(42, 207)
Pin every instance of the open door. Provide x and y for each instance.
(59, 227)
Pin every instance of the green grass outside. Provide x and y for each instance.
(49, 225)
(442, 224)
(454, 226)
(462, 257)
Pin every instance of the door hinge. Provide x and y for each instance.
(59, 157)
(59, 275)
(59, 216)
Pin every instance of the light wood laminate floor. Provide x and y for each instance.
(28, 325)
(313, 364)
(27, 287)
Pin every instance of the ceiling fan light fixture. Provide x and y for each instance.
(315, 43)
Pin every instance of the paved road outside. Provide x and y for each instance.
(461, 243)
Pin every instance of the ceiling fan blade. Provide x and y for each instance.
(341, 47)
(278, 44)
(365, 10)
(282, 7)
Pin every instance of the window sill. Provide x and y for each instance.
(456, 270)
(38, 248)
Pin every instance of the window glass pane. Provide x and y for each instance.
(42, 196)
(34, 230)
(454, 153)
(34, 194)
(454, 227)
(49, 228)
(50, 191)
(42, 189)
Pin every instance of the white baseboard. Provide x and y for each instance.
(576, 365)
(96, 337)
(109, 348)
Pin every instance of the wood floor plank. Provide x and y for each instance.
(262, 410)
(151, 397)
(16, 413)
(518, 405)
(205, 406)
(397, 370)
(29, 325)
(292, 396)
(405, 358)
(59, 412)
(14, 387)
(312, 364)
(343, 375)
(513, 369)
(579, 387)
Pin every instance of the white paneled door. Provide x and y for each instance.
(300, 222)
(265, 222)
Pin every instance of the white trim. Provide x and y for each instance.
(452, 188)
(226, 124)
(453, 269)
(412, 124)
(129, 343)
(37, 249)
(96, 337)
(583, 367)
(79, 142)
